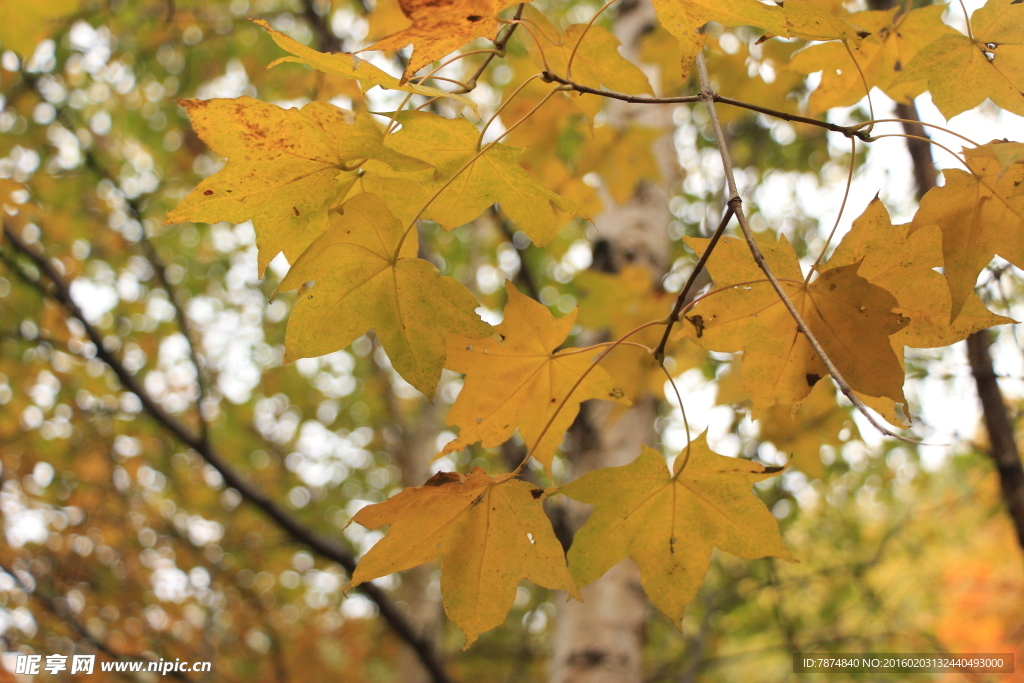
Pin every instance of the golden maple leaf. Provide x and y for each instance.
(901, 260)
(449, 145)
(364, 283)
(668, 521)
(283, 166)
(489, 534)
(596, 60)
(519, 382)
(963, 70)
(350, 66)
(792, 19)
(896, 38)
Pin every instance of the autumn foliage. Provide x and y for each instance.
(340, 195)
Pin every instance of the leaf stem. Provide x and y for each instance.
(842, 207)
(499, 46)
(917, 123)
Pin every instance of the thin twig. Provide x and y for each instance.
(323, 546)
(847, 131)
(673, 318)
(499, 46)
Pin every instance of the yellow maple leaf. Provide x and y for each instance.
(448, 145)
(597, 61)
(622, 158)
(1005, 152)
(668, 522)
(851, 318)
(896, 38)
(800, 433)
(902, 261)
(980, 214)
(363, 284)
(283, 166)
(792, 19)
(520, 381)
(490, 534)
(350, 66)
(962, 71)
(26, 23)
(817, 422)
(621, 303)
(440, 27)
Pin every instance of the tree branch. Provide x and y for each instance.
(684, 293)
(323, 546)
(1002, 444)
(55, 608)
(644, 99)
(734, 201)
(499, 45)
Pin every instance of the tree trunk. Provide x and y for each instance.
(601, 639)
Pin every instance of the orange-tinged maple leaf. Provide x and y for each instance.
(668, 521)
(851, 318)
(283, 167)
(363, 284)
(896, 38)
(962, 71)
(440, 27)
(520, 381)
(449, 145)
(980, 214)
(490, 534)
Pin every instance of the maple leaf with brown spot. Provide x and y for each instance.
(851, 318)
(896, 38)
(440, 27)
(489, 533)
(521, 381)
(283, 166)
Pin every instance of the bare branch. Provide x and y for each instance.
(57, 609)
(685, 293)
(323, 546)
(644, 99)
